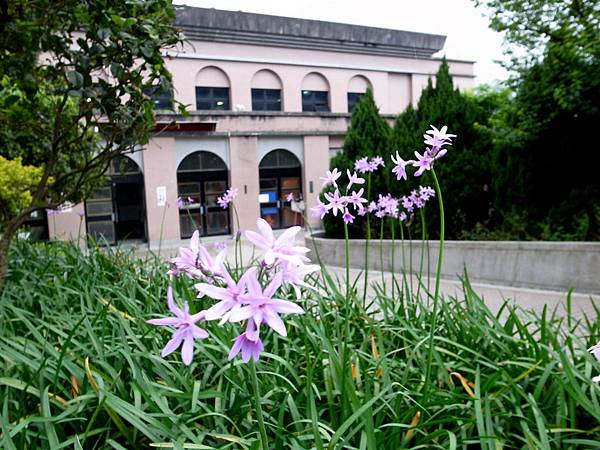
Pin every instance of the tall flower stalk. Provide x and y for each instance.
(258, 406)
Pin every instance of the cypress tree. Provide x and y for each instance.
(368, 135)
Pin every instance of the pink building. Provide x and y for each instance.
(269, 100)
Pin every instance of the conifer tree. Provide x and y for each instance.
(368, 135)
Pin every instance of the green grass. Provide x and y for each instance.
(80, 368)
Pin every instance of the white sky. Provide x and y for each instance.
(466, 29)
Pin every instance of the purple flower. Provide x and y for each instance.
(262, 308)
(372, 207)
(400, 169)
(423, 162)
(330, 177)
(362, 165)
(361, 211)
(196, 261)
(227, 197)
(294, 276)
(348, 218)
(437, 138)
(354, 179)
(228, 296)
(220, 246)
(186, 331)
(248, 343)
(356, 199)
(377, 161)
(407, 203)
(402, 216)
(281, 248)
(336, 202)
(426, 192)
(319, 210)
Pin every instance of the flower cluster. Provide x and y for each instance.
(182, 203)
(417, 198)
(340, 203)
(435, 140)
(227, 197)
(242, 301)
(365, 165)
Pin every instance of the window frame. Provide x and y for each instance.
(212, 99)
(311, 104)
(263, 103)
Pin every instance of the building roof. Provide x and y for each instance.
(239, 27)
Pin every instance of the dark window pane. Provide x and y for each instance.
(201, 161)
(162, 98)
(353, 98)
(211, 98)
(315, 101)
(279, 158)
(266, 100)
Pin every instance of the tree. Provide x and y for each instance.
(465, 171)
(368, 135)
(556, 78)
(74, 78)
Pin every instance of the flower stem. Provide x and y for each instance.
(381, 255)
(366, 266)
(393, 255)
(437, 284)
(347, 242)
(259, 414)
(238, 244)
(422, 213)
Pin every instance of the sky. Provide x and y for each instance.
(465, 27)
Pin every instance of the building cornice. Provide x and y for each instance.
(212, 25)
(196, 56)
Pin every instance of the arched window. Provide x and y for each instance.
(212, 89)
(201, 180)
(266, 91)
(280, 174)
(315, 93)
(116, 211)
(357, 87)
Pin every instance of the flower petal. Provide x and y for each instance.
(257, 239)
(187, 351)
(169, 321)
(286, 307)
(213, 291)
(274, 321)
(173, 344)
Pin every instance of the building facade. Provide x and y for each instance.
(269, 101)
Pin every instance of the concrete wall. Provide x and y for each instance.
(543, 265)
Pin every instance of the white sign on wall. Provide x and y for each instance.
(161, 195)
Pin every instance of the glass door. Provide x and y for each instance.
(275, 207)
(269, 201)
(290, 186)
(216, 219)
(100, 215)
(198, 207)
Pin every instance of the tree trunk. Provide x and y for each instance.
(7, 237)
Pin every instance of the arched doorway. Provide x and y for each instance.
(280, 174)
(116, 211)
(201, 180)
